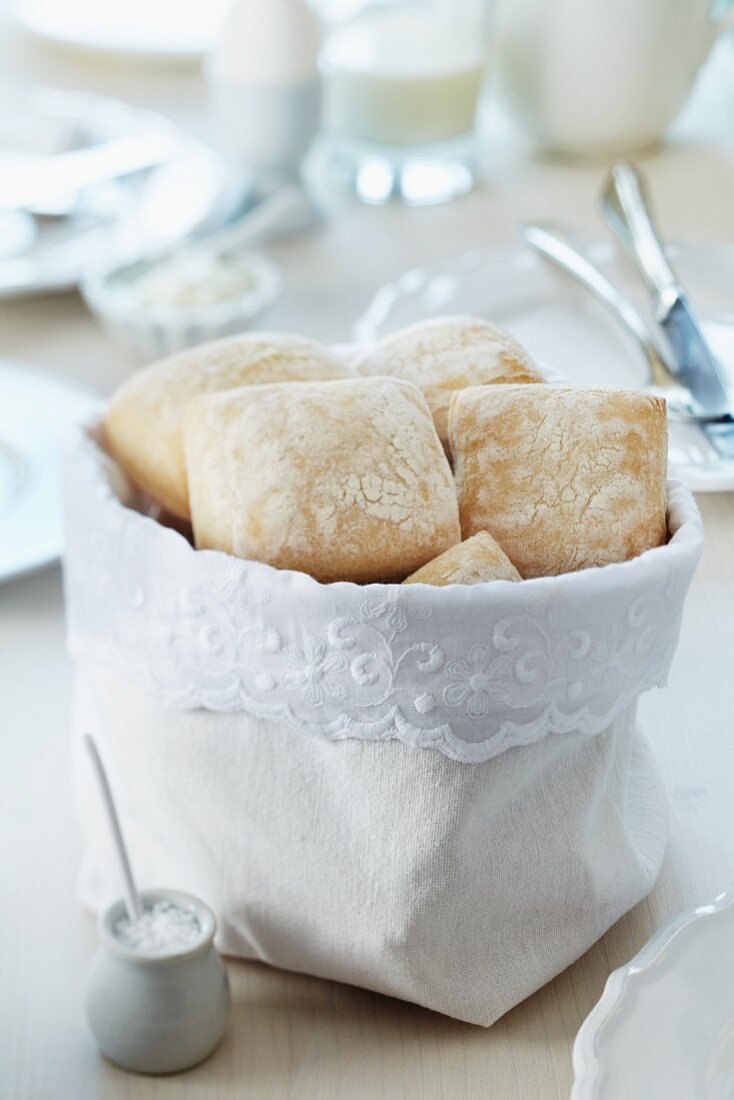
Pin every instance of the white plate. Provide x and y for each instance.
(156, 30)
(36, 409)
(664, 1026)
(191, 191)
(563, 326)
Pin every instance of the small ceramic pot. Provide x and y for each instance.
(163, 1012)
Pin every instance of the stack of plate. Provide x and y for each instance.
(189, 192)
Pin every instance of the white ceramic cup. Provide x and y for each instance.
(266, 130)
(589, 77)
(157, 1013)
(265, 87)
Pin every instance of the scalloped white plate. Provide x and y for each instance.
(563, 326)
(664, 1027)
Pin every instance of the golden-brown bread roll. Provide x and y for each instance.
(344, 480)
(479, 558)
(445, 354)
(563, 477)
(144, 422)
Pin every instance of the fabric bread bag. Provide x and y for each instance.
(436, 790)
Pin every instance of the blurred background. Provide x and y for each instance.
(175, 170)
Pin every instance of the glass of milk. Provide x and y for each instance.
(401, 82)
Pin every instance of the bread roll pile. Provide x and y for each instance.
(447, 354)
(278, 452)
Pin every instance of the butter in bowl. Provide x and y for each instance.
(203, 290)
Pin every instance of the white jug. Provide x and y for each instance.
(601, 76)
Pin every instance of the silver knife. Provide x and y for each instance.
(559, 244)
(555, 244)
(626, 209)
(37, 182)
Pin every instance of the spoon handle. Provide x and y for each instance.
(132, 897)
(286, 207)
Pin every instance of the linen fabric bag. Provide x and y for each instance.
(438, 793)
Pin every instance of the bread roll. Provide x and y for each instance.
(563, 477)
(343, 480)
(144, 422)
(446, 354)
(479, 558)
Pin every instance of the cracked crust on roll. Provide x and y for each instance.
(144, 421)
(344, 480)
(445, 354)
(563, 477)
(477, 559)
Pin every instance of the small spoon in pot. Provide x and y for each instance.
(133, 902)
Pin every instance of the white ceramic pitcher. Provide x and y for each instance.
(602, 76)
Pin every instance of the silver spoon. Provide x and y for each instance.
(133, 901)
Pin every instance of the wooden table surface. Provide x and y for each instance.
(294, 1036)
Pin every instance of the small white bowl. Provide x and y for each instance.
(152, 330)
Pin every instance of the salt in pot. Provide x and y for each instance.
(158, 995)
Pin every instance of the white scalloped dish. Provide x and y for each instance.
(664, 1027)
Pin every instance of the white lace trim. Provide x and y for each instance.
(469, 671)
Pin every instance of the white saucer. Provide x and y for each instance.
(563, 326)
(36, 410)
(664, 1026)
